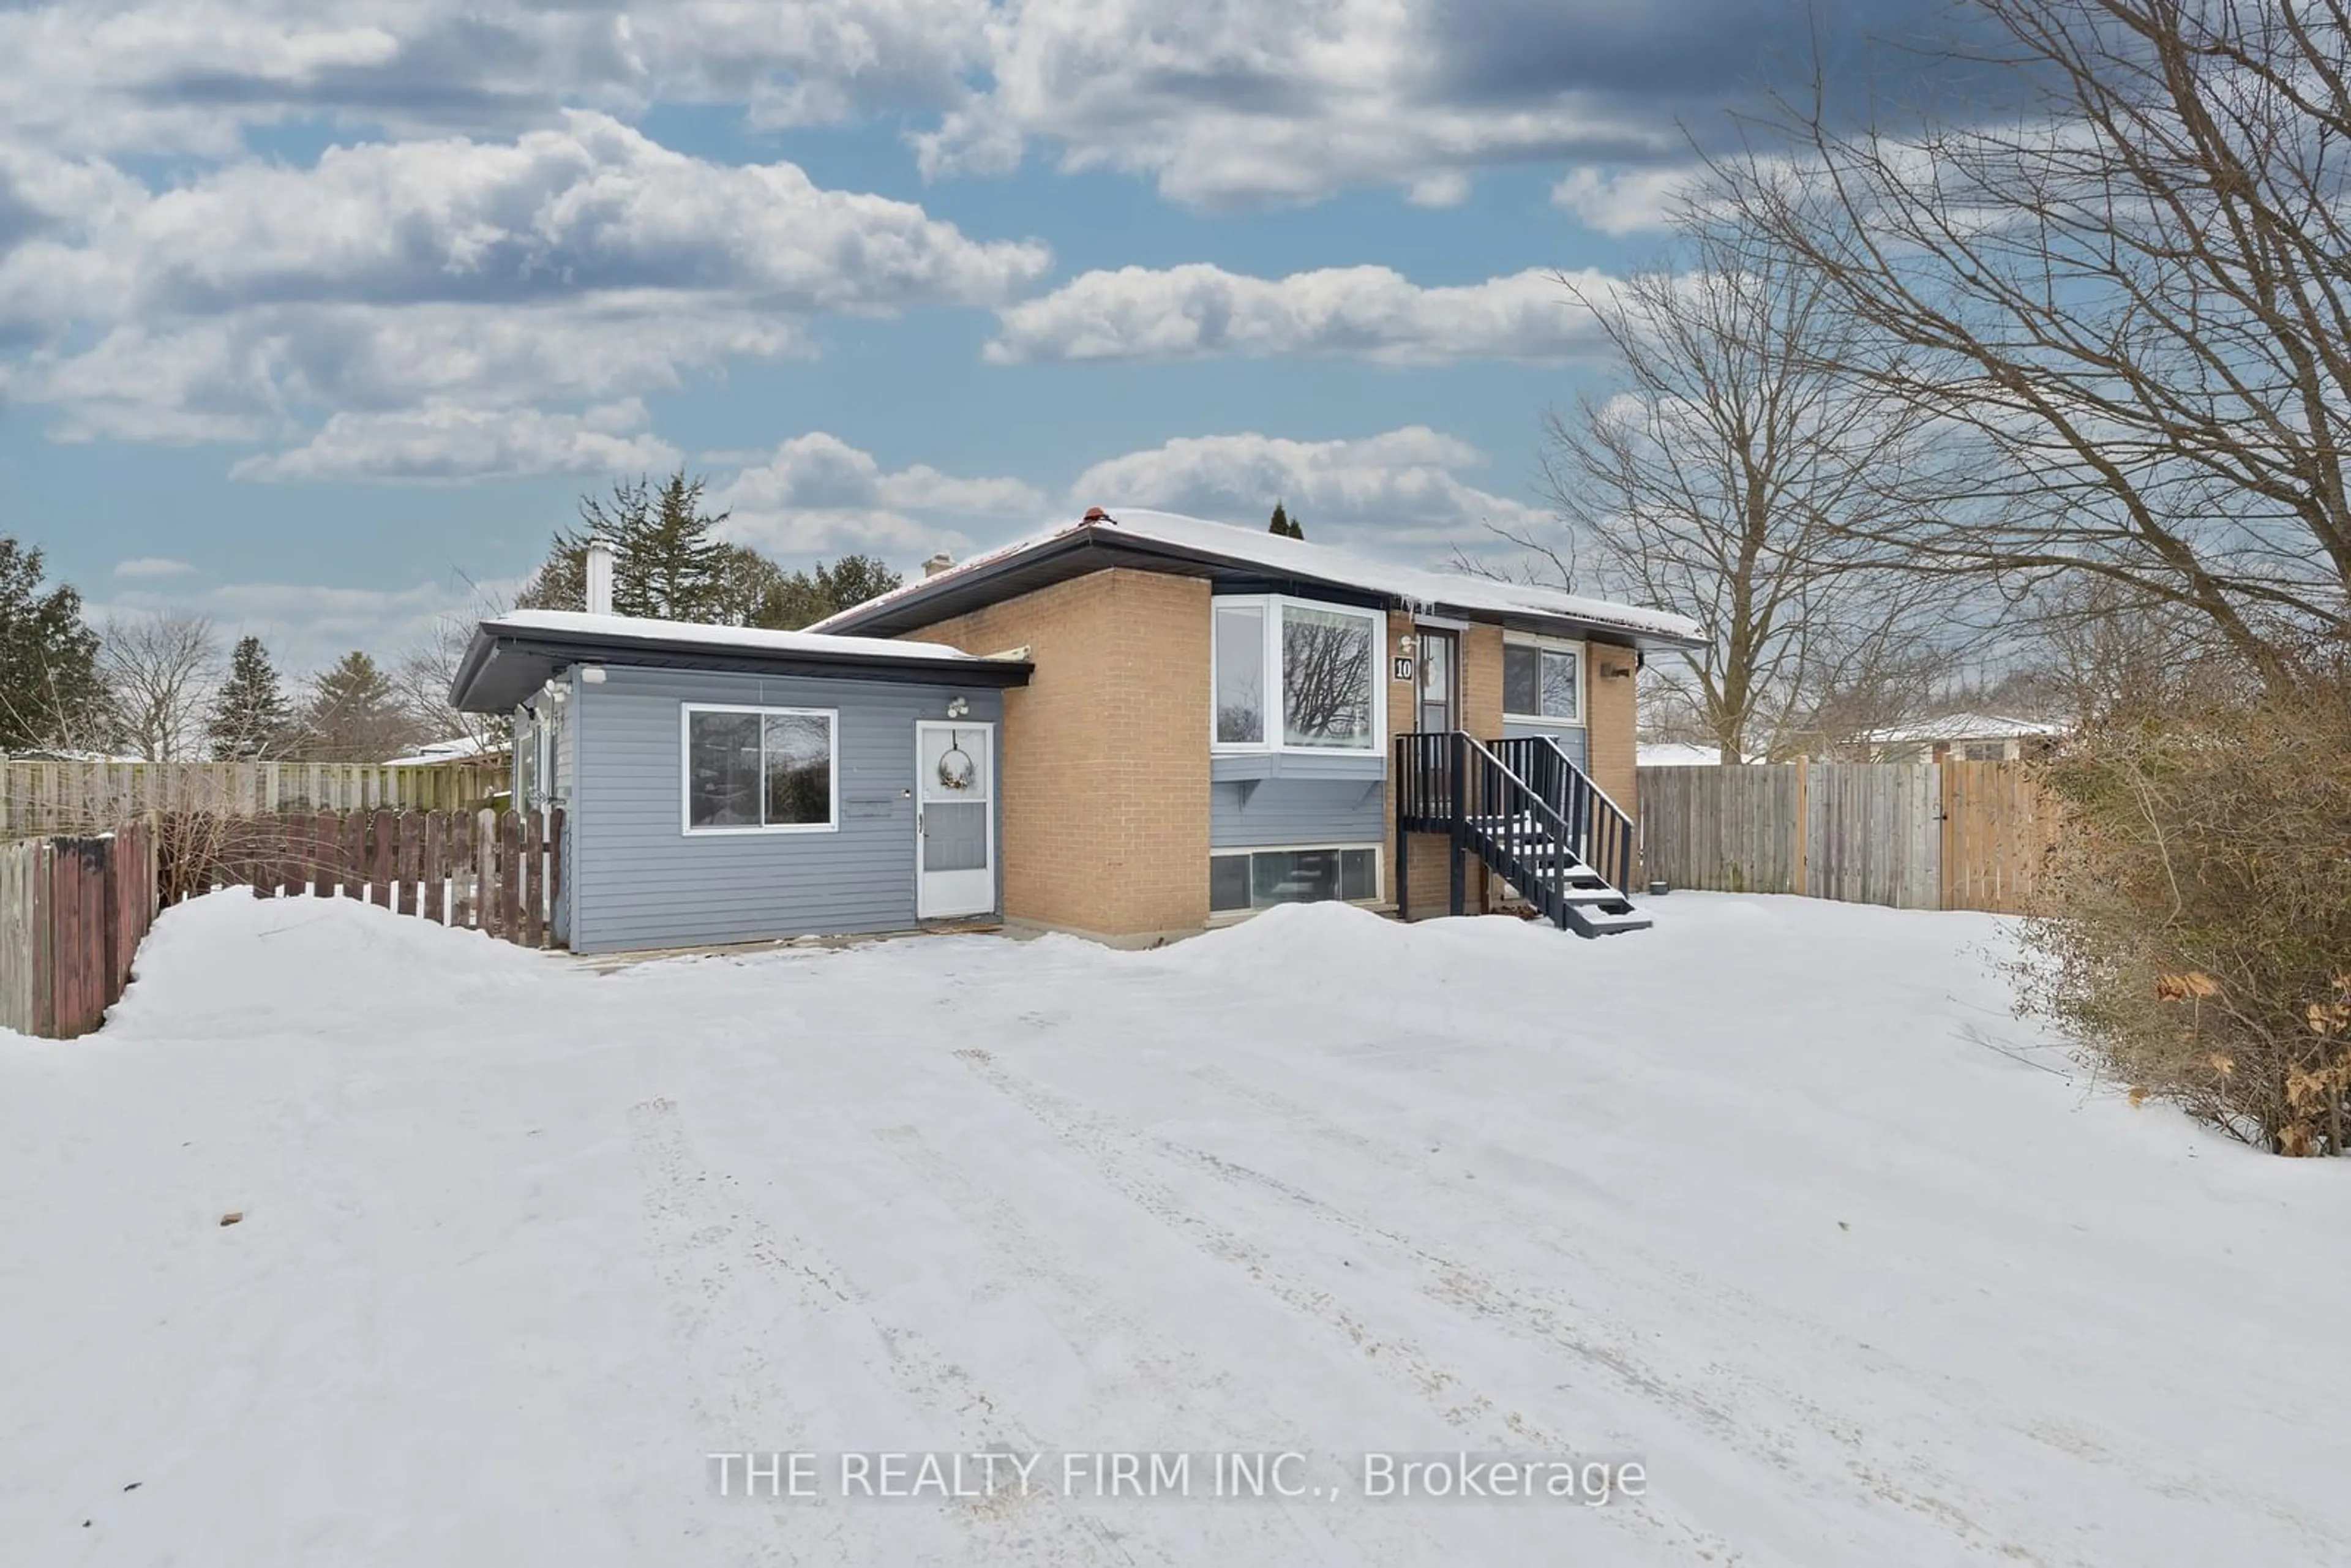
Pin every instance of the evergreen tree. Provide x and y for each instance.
(804, 598)
(747, 586)
(355, 715)
(1284, 524)
(250, 718)
(667, 563)
(561, 581)
(50, 691)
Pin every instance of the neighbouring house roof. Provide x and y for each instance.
(456, 748)
(1675, 754)
(511, 656)
(1953, 727)
(1164, 541)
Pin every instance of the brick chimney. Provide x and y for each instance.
(937, 564)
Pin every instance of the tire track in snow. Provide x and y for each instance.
(1529, 1314)
(714, 1261)
(1108, 1144)
(1536, 1313)
(704, 1268)
(1175, 1380)
(1911, 1481)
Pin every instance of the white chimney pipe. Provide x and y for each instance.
(600, 578)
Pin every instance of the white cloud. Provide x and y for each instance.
(1227, 104)
(1199, 310)
(441, 443)
(818, 496)
(1402, 491)
(575, 264)
(308, 626)
(589, 208)
(147, 566)
(1623, 201)
(186, 75)
(1219, 102)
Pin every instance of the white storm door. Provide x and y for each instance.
(954, 819)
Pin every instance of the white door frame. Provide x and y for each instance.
(933, 901)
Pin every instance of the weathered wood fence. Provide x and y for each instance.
(90, 797)
(73, 909)
(1915, 835)
(72, 912)
(497, 872)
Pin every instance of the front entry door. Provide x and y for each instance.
(954, 819)
(1440, 681)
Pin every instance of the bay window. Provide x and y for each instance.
(1295, 676)
(1544, 682)
(759, 769)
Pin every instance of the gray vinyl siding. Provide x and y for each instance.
(638, 879)
(1570, 737)
(567, 772)
(1289, 810)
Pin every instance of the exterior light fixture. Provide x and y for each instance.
(593, 675)
(957, 707)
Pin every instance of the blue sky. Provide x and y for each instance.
(317, 316)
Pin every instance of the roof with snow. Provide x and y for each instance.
(1679, 754)
(512, 655)
(1959, 727)
(1249, 557)
(456, 748)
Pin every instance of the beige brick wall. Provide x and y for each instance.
(1611, 724)
(1105, 771)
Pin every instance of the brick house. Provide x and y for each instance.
(1147, 724)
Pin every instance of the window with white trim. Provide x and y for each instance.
(1294, 675)
(761, 769)
(1543, 681)
(1259, 879)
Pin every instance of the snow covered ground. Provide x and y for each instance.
(1775, 1200)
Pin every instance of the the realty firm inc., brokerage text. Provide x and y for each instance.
(917, 1476)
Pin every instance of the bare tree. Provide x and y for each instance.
(1728, 476)
(159, 671)
(2098, 652)
(2127, 293)
(423, 674)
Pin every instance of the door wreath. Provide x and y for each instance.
(957, 769)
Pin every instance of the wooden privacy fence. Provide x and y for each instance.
(88, 797)
(73, 909)
(496, 872)
(1915, 835)
(72, 912)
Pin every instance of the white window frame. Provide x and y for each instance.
(1379, 874)
(1269, 606)
(1583, 652)
(685, 712)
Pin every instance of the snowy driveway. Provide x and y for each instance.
(1774, 1201)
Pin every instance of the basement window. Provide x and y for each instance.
(761, 770)
(1260, 879)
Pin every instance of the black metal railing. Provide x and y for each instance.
(1602, 830)
(1535, 831)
